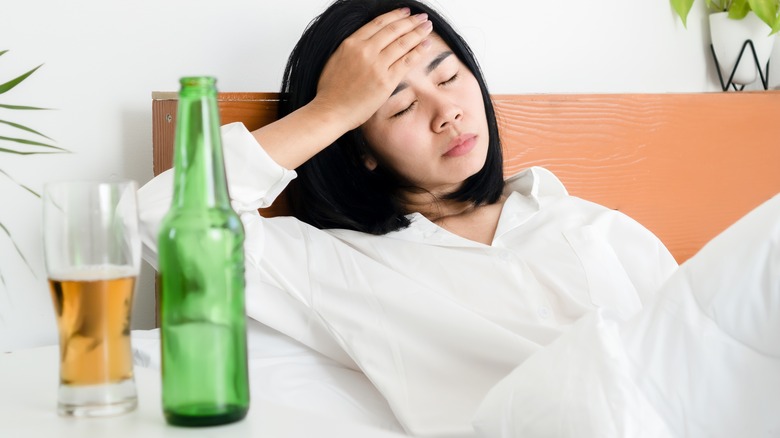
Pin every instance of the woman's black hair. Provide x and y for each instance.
(334, 189)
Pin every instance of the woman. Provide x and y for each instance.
(368, 89)
(410, 258)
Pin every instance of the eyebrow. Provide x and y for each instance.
(431, 67)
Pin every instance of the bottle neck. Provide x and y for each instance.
(199, 172)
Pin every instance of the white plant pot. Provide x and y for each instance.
(728, 37)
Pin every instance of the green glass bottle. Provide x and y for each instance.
(201, 275)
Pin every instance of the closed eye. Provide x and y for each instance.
(405, 110)
(450, 80)
(413, 104)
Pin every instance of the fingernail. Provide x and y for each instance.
(425, 43)
(427, 25)
(421, 17)
(406, 11)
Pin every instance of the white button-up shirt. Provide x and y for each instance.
(432, 318)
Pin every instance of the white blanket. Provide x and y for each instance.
(702, 361)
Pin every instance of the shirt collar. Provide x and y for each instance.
(536, 182)
(523, 191)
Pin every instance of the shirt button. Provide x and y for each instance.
(544, 312)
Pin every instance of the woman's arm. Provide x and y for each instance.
(357, 79)
(276, 251)
(254, 181)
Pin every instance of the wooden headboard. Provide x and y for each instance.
(684, 165)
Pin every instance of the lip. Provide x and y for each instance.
(461, 145)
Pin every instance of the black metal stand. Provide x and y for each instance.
(725, 87)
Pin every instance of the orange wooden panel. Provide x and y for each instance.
(683, 165)
(253, 109)
(163, 127)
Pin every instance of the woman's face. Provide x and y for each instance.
(433, 130)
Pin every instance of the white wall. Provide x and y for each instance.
(103, 59)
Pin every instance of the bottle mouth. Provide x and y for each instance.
(198, 81)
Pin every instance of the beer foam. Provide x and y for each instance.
(94, 272)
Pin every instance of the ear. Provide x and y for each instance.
(370, 162)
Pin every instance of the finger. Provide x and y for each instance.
(406, 62)
(372, 27)
(392, 31)
(406, 43)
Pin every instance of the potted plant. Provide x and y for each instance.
(17, 142)
(732, 24)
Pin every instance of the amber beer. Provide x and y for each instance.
(93, 253)
(93, 308)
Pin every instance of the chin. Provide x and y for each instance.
(477, 163)
(468, 172)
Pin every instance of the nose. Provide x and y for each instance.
(446, 113)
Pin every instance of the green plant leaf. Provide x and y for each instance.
(18, 250)
(682, 7)
(32, 143)
(19, 107)
(739, 9)
(718, 5)
(20, 184)
(766, 10)
(24, 128)
(16, 81)
(11, 151)
(47, 149)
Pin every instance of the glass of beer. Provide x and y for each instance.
(92, 251)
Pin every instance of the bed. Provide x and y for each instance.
(686, 166)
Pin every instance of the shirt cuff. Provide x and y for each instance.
(254, 178)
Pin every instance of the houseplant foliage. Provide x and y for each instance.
(767, 10)
(19, 142)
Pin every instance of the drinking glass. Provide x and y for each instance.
(92, 251)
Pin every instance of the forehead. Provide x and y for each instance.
(438, 52)
(437, 44)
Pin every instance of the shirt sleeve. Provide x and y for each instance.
(254, 181)
(278, 287)
(254, 178)
(645, 259)
(624, 263)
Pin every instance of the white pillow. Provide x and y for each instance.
(286, 372)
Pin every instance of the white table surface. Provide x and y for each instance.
(28, 407)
